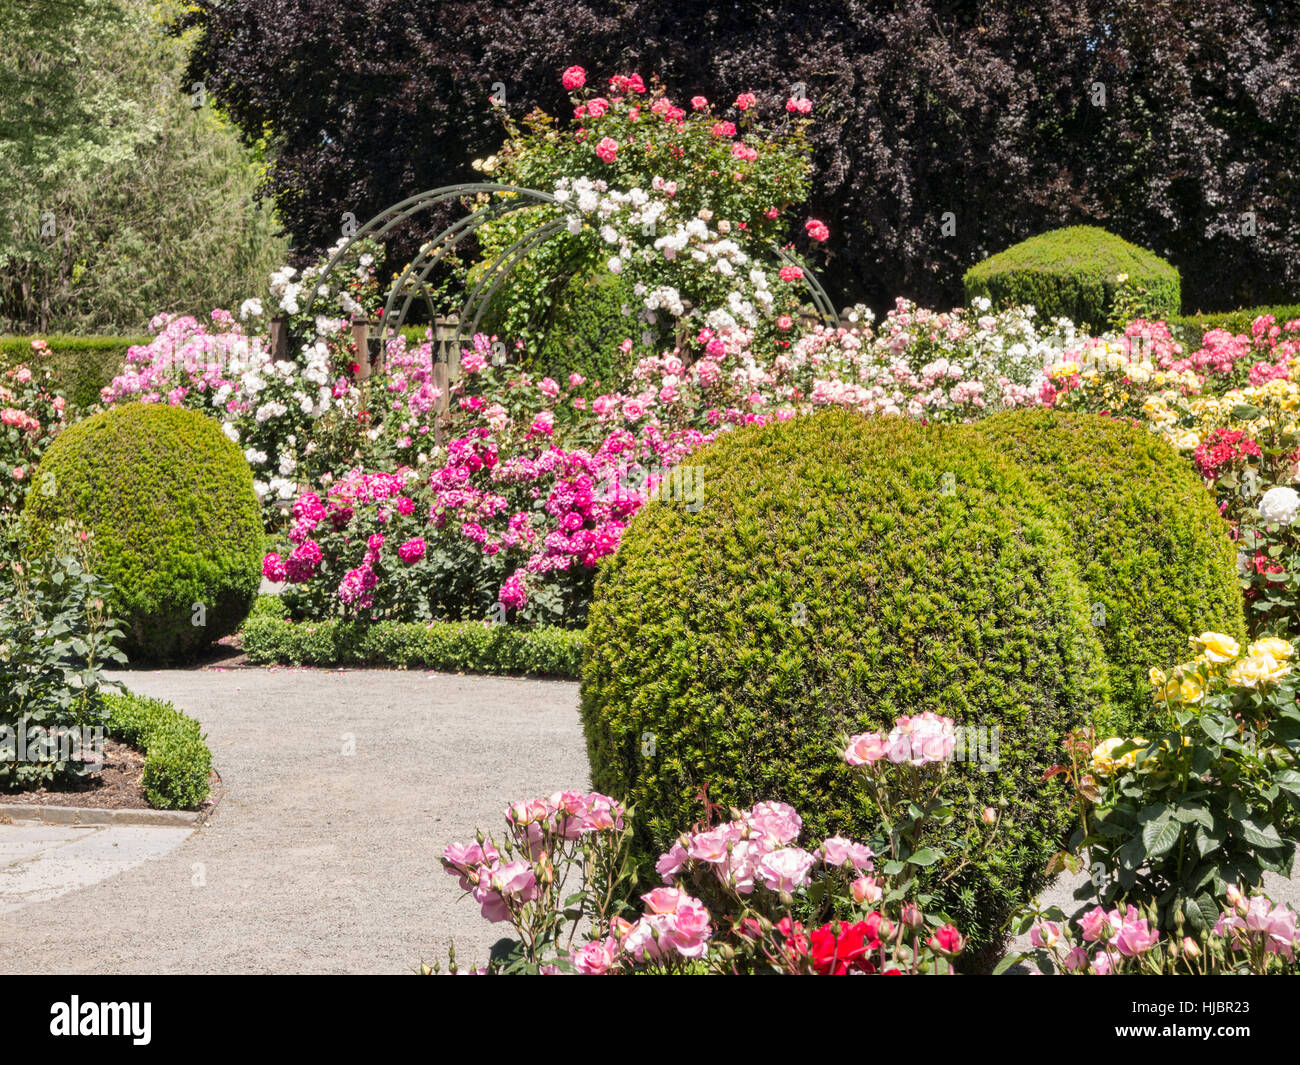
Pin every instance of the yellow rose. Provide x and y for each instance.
(1064, 369)
(1191, 690)
(1217, 647)
(1158, 678)
(1256, 670)
(1273, 647)
(1103, 755)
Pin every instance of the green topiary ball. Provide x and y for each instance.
(176, 525)
(842, 572)
(1153, 551)
(1073, 273)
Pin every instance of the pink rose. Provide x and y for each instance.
(596, 958)
(866, 749)
(573, 78)
(699, 103)
(412, 551)
(746, 100)
(776, 820)
(817, 230)
(607, 149)
(786, 870)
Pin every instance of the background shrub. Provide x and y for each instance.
(1153, 551)
(1071, 273)
(842, 572)
(170, 504)
(178, 763)
(81, 366)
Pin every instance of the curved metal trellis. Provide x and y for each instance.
(502, 199)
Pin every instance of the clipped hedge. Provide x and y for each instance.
(842, 572)
(453, 646)
(177, 527)
(177, 763)
(81, 365)
(1153, 551)
(1071, 273)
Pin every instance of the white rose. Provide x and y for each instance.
(1279, 506)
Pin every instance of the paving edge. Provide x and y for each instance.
(83, 815)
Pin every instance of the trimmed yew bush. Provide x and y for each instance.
(1153, 551)
(842, 572)
(1073, 273)
(177, 530)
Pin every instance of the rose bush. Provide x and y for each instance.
(739, 894)
(31, 415)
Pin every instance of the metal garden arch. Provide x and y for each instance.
(413, 280)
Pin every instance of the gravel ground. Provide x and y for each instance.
(318, 860)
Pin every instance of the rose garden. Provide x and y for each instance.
(876, 623)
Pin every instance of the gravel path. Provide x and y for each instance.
(318, 860)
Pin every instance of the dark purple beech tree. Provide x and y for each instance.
(947, 130)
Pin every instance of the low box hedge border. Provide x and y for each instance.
(177, 760)
(453, 646)
(81, 365)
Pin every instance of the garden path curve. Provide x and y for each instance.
(318, 860)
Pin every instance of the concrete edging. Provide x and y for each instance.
(80, 815)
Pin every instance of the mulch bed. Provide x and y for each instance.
(115, 787)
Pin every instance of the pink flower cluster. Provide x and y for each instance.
(502, 888)
(923, 739)
(757, 849)
(1257, 919)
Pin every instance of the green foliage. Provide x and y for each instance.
(1154, 554)
(579, 324)
(81, 366)
(1190, 329)
(1207, 802)
(177, 763)
(55, 639)
(176, 525)
(466, 646)
(1074, 273)
(160, 216)
(843, 572)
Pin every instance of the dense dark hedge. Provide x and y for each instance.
(840, 573)
(176, 525)
(81, 365)
(178, 763)
(1072, 273)
(454, 646)
(1153, 551)
(1173, 124)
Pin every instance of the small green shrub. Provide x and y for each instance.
(842, 572)
(469, 646)
(177, 528)
(1072, 273)
(1153, 551)
(178, 763)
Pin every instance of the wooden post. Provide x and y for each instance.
(441, 404)
(279, 338)
(361, 342)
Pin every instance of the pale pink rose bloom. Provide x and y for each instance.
(690, 930)
(866, 891)
(787, 869)
(596, 957)
(1075, 960)
(1097, 924)
(1101, 963)
(664, 900)
(1045, 934)
(739, 869)
(516, 881)
(671, 861)
(866, 749)
(777, 820)
(1135, 937)
(712, 846)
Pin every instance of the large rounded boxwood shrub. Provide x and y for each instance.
(842, 572)
(1153, 551)
(1072, 273)
(176, 524)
